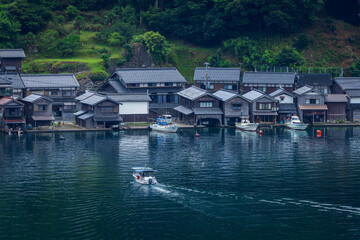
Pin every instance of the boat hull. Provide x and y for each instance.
(250, 127)
(145, 181)
(299, 127)
(169, 129)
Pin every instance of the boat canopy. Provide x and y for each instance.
(143, 169)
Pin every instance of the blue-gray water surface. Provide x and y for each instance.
(226, 184)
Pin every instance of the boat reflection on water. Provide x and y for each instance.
(162, 135)
(246, 134)
(296, 135)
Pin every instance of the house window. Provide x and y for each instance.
(66, 93)
(236, 106)
(262, 89)
(151, 84)
(41, 108)
(169, 84)
(229, 86)
(143, 84)
(206, 104)
(321, 90)
(264, 106)
(53, 93)
(107, 109)
(69, 107)
(211, 86)
(160, 84)
(313, 101)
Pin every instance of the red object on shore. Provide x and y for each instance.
(63, 123)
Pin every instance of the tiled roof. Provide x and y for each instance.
(79, 113)
(150, 75)
(224, 95)
(287, 107)
(302, 90)
(192, 93)
(252, 95)
(43, 118)
(93, 100)
(49, 80)
(108, 119)
(130, 97)
(268, 78)
(15, 78)
(86, 116)
(34, 97)
(12, 53)
(4, 81)
(84, 96)
(207, 111)
(6, 100)
(217, 74)
(279, 92)
(318, 79)
(183, 110)
(119, 88)
(313, 107)
(336, 98)
(353, 92)
(346, 83)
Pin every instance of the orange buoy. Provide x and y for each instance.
(197, 135)
(260, 132)
(318, 132)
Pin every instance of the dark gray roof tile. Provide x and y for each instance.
(49, 80)
(268, 78)
(12, 53)
(150, 75)
(217, 74)
(346, 83)
(318, 79)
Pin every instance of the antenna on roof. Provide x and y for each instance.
(342, 72)
(206, 78)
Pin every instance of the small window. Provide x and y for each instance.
(143, 84)
(262, 89)
(229, 87)
(151, 84)
(41, 108)
(107, 109)
(169, 84)
(69, 108)
(206, 104)
(66, 93)
(211, 86)
(313, 101)
(236, 106)
(264, 106)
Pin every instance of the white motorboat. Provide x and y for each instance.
(163, 126)
(144, 175)
(296, 124)
(246, 125)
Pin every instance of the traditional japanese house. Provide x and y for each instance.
(287, 106)
(336, 104)
(11, 114)
(17, 85)
(197, 106)
(161, 84)
(11, 60)
(61, 88)
(234, 106)
(351, 87)
(38, 110)
(268, 82)
(321, 82)
(214, 79)
(311, 104)
(263, 107)
(133, 107)
(5, 87)
(97, 111)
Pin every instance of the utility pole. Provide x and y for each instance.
(206, 78)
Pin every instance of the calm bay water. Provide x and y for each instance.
(226, 184)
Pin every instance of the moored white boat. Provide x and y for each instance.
(164, 128)
(296, 124)
(144, 175)
(246, 125)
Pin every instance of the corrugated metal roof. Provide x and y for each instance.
(207, 111)
(336, 98)
(315, 79)
(31, 98)
(353, 92)
(224, 95)
(108, 119)
(12, 53)
(5, 81)
(252, 95)
(15, 78)
(49, 80)
(268, 78)
(79, 113)
(150, 75)
(84, 96)
(217, 74)
(302, 90)
(93, 100)
(346, 83)
(86, 116)
(313, 107)
(43, 118)
(192, 93)
(130, 97)
(184, 110)
(119, 88)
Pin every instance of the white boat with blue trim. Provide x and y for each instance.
(296, 124)
(144, 175)
(163, 126)
(246, 125)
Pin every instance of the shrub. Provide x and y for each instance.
(98, 75)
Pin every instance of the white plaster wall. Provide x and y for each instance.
(287, 99)
(134, 108)
(354, 100)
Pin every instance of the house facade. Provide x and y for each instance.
(161, 84)
(97, 111)
(11, 60)
(336, 104)
(351, 87)
(61, 88)
(5, 87)
(263, 107)
(234, 106)
(287, 106)
(321, 82)
(11, 114)
(38, 110)
(199, 107)
(267, 82)
(311, 105)
(214, 79)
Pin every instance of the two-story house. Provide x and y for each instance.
(263, 107)
(287, 106)
(5, 87)
(234, 106)
(214, 79)
(38, 110)
(268, 82)
(97, 111)
(311, 104)
(321, 82)
(161, 84)
(198, 106)
(17, 88)
(11, 60)
(11, 114)
(336, 104)
(61, 88)
(351, 87)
